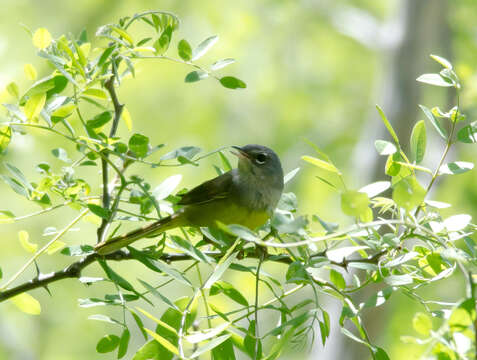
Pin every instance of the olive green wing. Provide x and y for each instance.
(217, 188)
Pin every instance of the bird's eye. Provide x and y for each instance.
(261, 158)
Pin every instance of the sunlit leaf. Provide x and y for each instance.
(139, 145)
(221, 64)
(24, 237)
(34, 105)
(354, 203)
(30, 71)
(166, 188)
(5, 137)
(127, 118)
(107, 344)
(457, 222)
(27, 303)
(184, 49)
(203, 47)
(196, 75)
(387, 124)
(163, 342)
(422, 323)
(408, 193)
(97, 93)
(385, 147)
(42, 38)
(375, 188)
(321, 164)
(455, 168)
(468, 134)
(434, 79)
(418, 141)
(444, 62)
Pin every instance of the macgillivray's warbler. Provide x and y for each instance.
(246, 195)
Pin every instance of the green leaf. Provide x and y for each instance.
(387, 124)
(139, 322)
(123, 343)
(5, 137)
(166, 188)
(203, 47)
(165, 343)
(157, 294)
(189, 248)
(184, 49)
(162, 43)
(224, 351)
(23, 236)
(61, 154)
(210, 345)
(296, 273)
(457, 167)
(78, 250)
(321, 164)
(422, 323)
(13, 90)
(194, 76)
(123, 34)
(231, 82)
(34, 105)
(104, 318)
(50, 85)
(152, 350)
(397, 280)
(457, 222)
(139, 145)
(30, 73)
(380, 354)
(100, 120)
(18, 175)
(64, 111)
(418, 141)
(444, 62)
(187, 152)
(202, 335)
(220, 269)
(42, 38)
(222, 287)
(167, 269)
(27, 304)
(435, 122)
(375, 188)
(97, 93)
(6, 217)
(337, 279)
(107, 344)
(408, 193)
(354, 203)
(221, 64)
(468, 134)
(253, 346)
(385, 147)
(435, 80)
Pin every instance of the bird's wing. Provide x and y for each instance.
(216, 188)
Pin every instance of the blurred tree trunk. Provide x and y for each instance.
(423, 29)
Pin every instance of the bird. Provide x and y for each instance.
(246, 195)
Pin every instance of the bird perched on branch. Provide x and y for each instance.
(246, 195)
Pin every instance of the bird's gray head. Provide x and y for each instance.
(262, 163)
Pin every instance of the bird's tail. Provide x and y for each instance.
(118, 242)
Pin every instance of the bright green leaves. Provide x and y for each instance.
(5, 138)
(30, 72)
(195, 76)
(355, 203)
(139, 145)
(231, 82)
(42, 38)
(27, 304)
(184, 49)
(107, 344)
(337, 279)
(422, 323)
(434, 121)
(385, 147)
(99, 120)
(457, 167)
(162, 43)
(435, 79)
(12, 89)
(24, 239)
(203, 47)
(34, 105)
(222, 287)
(418, 141)
(408, 193)
(468, 134)
(325, 165)
(387, 124)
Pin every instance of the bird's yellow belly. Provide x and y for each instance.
(226, 212)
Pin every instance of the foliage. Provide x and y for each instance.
(399, 242)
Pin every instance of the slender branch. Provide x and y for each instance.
(118, 109)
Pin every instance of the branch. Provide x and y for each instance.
(74, 269)
(118, 110)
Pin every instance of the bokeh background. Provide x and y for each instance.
(314, 69)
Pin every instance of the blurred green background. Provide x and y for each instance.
(314, 69)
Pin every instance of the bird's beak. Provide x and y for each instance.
(240, 153)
